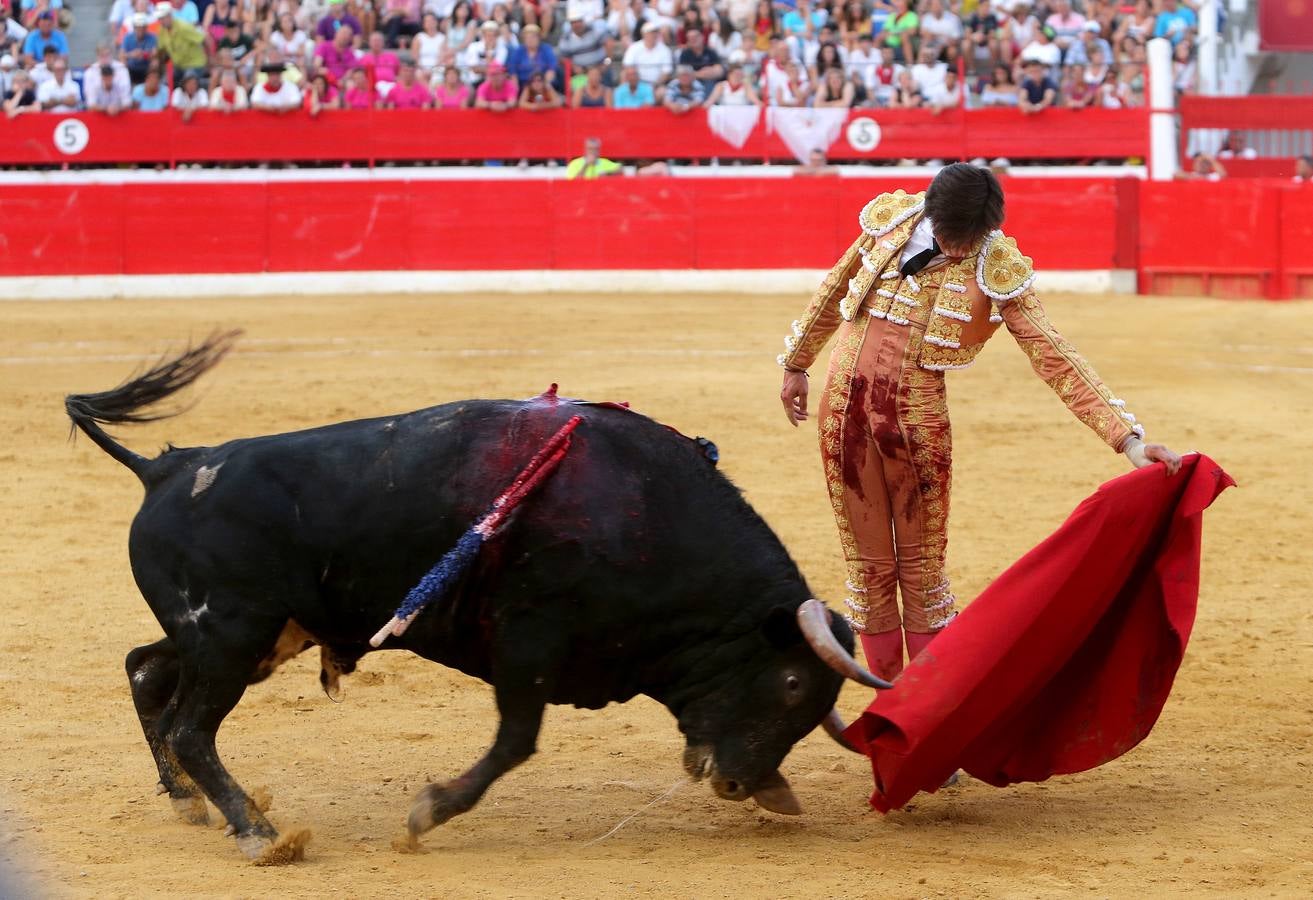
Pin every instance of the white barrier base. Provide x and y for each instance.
(662, 281)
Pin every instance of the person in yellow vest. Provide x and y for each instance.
(919, 292)
(592, 164)
(182, 42)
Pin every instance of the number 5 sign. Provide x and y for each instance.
(71, 136)
(863, 134)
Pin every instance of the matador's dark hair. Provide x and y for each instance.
(965, 202)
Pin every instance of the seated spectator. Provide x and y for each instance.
(428, 45)
(337, 56)
(490, 48)
(45, 35)
(1001, 90)
(12, 34)
(105, 92)
(320, 95)
(1017, 31)
(1184, 72)
(138, 48)
(399, 18)
(691, 20)
(1081, 52)
(380, 63)
(834, 91)
(228, 95)
(795, 90)
(289, 44)
(1176, 22)
(336, 19)
(22, 96)
(939, 27)
(539, 96)
(1078, 93)
(276, 94)
(855, 23)
(802, 22)
(461, 26)
(180, 41)
(1304, 169)
(451, 92)
(59, 93)
(41, 72)
(706, 65)
(240, 47)
(906, 94)
(1139, 24)
(650, 57)
(186, 11)
(8, 66)
(593, 93)
(105, 57)
(1130, 85)
(592, 164)
(189, 96)
(1044, 51)
(408, 93)
(981, 45)
(633, 92)
(1038, 91)
(359, 93)
(865, 60)
(947, 96)
(734, 91)
(828, 56)
(151, 95)
(1066, 24)
(532, 57)
(684, 93)
(584, 44)
(899, 30)
(765, 26)
(816, 164)
(218, 15)
(726, 40)
(1203, 167)
(929, 74)
(1096, 73)
(498, 92)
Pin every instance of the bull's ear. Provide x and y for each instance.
(781, 627)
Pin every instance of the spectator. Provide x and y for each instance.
(380, 64)
(827, 57)
(650, 57)
(584, 44)
(593, 93)
(180, 41)
(359, 93)
(189, 96)
(480, 56)
(1044, 51)
(428, 45)
(8, 69)
(734, 91)
(802, 23)
(22, 97)
(947, 96)
(834, 91)
(45, 35)
(939, 26)
(1184, 71)
(1139, 24)
(539, 96)
(461, 30)
(12, 34)
(105, 92)
(865, 61)
(1096, 73)
(1018, 31)
(138, 48)
(105, 57)
(186, 11)
(795, 90)
(980, 44)
(1080, 53)
(906, 94)
(335, 20)
(684, 93)
(288, 44)
(228, 95)
(1175, 22)
(400, 17)
(929, 74)
(899, 29)
(452, 93)
(1038, 91)
(704, 62)
(1304, 169)
(765, 26)
(633, 92)
(276, 94)
(59, 93)
(1066, 23)
(592, 164)
(217, 16)
(151, 95)
(337, 56)
(239, 46)
(320, 95)
(498, 92)
(1001, 90)
(774, 72)
(1077, 92)
(1130, 85)
(726, 41)
(855, 23)
(532, 57)
(816, 164)
(1203, 167)
(408, 93)
(41, 72)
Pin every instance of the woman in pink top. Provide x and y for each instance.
(321, 95)
(497, 93)
(408, 93)
(452, 93)
(384, 63)
(359, 93)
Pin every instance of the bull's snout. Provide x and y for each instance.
(698, 760)
(729, 789)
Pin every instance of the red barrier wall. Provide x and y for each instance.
(378, 135)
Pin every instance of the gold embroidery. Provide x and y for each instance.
(1004, 272)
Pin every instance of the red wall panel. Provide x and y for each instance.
(480, 224)
(64, 230)
(204, 228)
(622, 223)
(317, 226)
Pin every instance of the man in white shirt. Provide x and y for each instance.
(104, 93)
(488, 49)
(864, 61)
(929, 73)
(59, 93)
(105, 57)
(651, 57)
(275, 95)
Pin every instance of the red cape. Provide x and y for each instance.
(1066, 660)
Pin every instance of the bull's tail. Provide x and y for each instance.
(130, 402)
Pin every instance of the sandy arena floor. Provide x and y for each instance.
(1214, 802)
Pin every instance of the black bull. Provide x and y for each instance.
(636, 569)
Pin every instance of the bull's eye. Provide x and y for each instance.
(793, 684)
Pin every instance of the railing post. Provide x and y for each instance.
(1162, 112)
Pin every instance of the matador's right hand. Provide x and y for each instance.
(794, 396)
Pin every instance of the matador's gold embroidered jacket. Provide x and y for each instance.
(968, 300)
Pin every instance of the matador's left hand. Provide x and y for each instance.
(1142, 455)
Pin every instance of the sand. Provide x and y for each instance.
(1213, 802)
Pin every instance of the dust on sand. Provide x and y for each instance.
(1215, 801)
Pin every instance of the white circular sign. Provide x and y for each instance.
(71, 136)
(863, 134)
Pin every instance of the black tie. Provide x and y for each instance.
(920, 260)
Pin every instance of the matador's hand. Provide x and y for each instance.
(1142, 455)
(794, 396)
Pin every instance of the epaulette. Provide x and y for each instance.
(1001, 271)
(887, 211)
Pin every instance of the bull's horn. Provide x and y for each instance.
(834, 727)
(814, 621)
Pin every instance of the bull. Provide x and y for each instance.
(638, 568)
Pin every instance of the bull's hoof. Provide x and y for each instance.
(191, 810)
(287, 849)
(434, 805)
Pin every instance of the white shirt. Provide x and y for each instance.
(865, 62)
(930, 78)
(287, 96)
(67, 94)
(180, 100)
(654, 64)
(428, 49)
(92, 74)
(923, 237)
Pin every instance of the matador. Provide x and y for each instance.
(925, 285)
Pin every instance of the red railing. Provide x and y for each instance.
(400, 135)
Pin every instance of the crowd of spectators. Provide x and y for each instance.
(280, 55)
